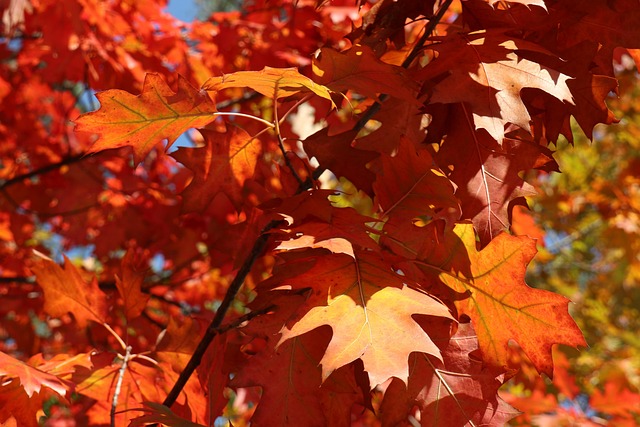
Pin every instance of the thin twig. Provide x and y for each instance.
(116, 392)
(415, 51)
(41, 171)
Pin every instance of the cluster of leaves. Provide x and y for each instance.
(232, 271)
(589, 234)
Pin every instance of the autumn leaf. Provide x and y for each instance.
(65, 291)
(316, 223)
(31, 379)
(409, 185)
(501, 305)
(223, 165)
(488, 175)
(527, 3)
(369, 309)
(25, 389)
(289, 374)
(147, 119)
(130, 286)
(336, 153)
(274, 83)
(178, 342)
(615, 399)
(457, 392)
(484, 71)
(156, 413)
(359, 70)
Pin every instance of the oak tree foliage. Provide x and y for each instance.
(296, 213)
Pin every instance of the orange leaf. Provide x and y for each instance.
(499, 302)
(65, 291)
(369, 309)
(223, 164)
(31, 379)
(616, 400)
(25, 389)
(156, 413)
(274, 83)
(145, 120)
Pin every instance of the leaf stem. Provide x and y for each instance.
(248, 116)
(276, 123)
(112, 332)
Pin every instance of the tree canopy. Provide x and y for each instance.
(314, 213)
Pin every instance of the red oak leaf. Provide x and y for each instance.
(500, 304)
(409, 185)
(484, 71)
(130, 286)
(359, 70)
(368, 307)
(488, 175)
(223, 165)
(289, 374)
(147, 119)
(274, 83)
(458, 392)
(65, 291)
(335, 152)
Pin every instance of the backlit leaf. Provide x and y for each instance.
(369, 309)
(501, 305)
(65, 291)
(143, 121)
(271, 82)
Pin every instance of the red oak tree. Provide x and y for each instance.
(330, 241)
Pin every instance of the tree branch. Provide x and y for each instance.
(213, 328)
(41, 171)
(415, 51)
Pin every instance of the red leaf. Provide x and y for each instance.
(130, 288)
(484, 71)
(31, 379)
(459, 392)
(359, 70)
(223, 165)
(336, 153)
(65, 291)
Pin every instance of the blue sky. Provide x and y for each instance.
(184, 10)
